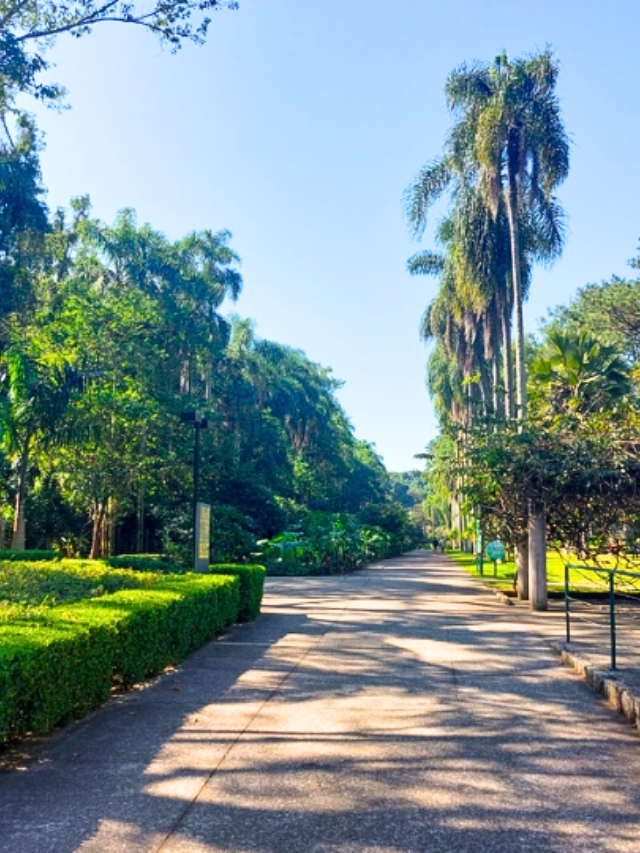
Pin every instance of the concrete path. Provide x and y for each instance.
(398, 710)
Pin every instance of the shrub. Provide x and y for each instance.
(29, 556)
(60, 662)
(51, 583)
(147, 563)
(251, 586)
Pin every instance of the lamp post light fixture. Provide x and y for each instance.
(199, 422)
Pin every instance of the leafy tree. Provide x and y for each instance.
(610, 311)
(23, 223)
(36, 395)
(587, 472)
(28, 27)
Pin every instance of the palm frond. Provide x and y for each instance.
(425, 263)
(431, 182)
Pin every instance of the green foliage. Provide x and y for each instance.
(610, 311)
(57, 665)
(251, 580)
(53, 582)
(28, 556)
(326, 543)
(146, 563)
(585, 472)
(30, 27)
(23, 220)
(137, 317)
(575, 372)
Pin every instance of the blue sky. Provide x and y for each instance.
(297, 127)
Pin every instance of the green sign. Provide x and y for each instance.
(496, 550)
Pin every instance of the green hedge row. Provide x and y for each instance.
(146, 563)
(251, 576)
(62, 661)
(251, 586)
(52, 582)
(29, 556)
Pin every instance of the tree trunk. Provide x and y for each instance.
(98, 525)
(141, 502)
(537, 557)
(522, 567)
(507, 367)
(486, 389)
(140, 525)
(495, 378)
(516, 276)
(18, 540)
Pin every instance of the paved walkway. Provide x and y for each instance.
(398, 710)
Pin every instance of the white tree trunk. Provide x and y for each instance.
(537, 558)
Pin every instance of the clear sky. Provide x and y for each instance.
(298, 126)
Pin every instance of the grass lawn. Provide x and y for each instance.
(505, 572)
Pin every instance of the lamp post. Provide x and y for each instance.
(199, 422)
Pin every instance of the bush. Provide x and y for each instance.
(50, 583)
(147, 563)
(251, 587)
(58, 663)
(29, 556)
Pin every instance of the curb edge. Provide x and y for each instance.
(618, 695)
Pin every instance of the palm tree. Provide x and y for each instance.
(509, 133)
(504, 156)
(471, 313)
(578, 373)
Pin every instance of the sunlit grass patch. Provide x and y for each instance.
(502, 574)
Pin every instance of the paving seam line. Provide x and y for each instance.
(233, 744)
(619, 695)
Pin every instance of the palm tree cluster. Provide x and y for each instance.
(504, 156)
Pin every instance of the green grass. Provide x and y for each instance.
(586, 582)
(505, 572)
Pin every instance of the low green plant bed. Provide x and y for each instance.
(56, 663)
(147, 563)
(251, 579)
(29, 556)
(50, 582)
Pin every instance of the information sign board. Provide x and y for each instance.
(203, 537)
(496, 550)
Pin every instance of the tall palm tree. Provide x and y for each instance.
(471, 313)
(509, 132)
(504, 156)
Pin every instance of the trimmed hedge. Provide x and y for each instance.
(29, 556)
(61, 662)
(251, 586)
(56, 582)
(146, 563)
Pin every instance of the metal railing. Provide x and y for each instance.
(615, 584)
